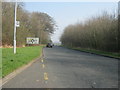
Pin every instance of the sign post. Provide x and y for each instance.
(15, 28)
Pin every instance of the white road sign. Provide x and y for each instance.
(31, 40)
(17, 23)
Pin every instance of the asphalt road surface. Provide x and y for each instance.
(65, 68)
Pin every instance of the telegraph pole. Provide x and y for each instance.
(15, 27)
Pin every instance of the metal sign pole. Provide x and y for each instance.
(15, 28)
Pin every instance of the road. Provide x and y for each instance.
(65, 68)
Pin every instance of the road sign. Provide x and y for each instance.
(17, 23)
(32, 40)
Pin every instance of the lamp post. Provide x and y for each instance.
(15, 28)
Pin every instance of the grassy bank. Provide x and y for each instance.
(24, 55)
(110, 54)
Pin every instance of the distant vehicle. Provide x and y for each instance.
(50, 45)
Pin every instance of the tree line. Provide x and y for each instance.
(34, 24)
(99, 32)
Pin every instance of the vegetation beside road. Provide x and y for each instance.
(94, 51)
(32, 24)
(110, 54)
(24, 55)
(99, 35)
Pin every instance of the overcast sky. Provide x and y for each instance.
(65, 13)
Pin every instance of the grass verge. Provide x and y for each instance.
(24, 55)
(98, 52)
(109, 54)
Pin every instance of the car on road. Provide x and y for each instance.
(50, 45)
